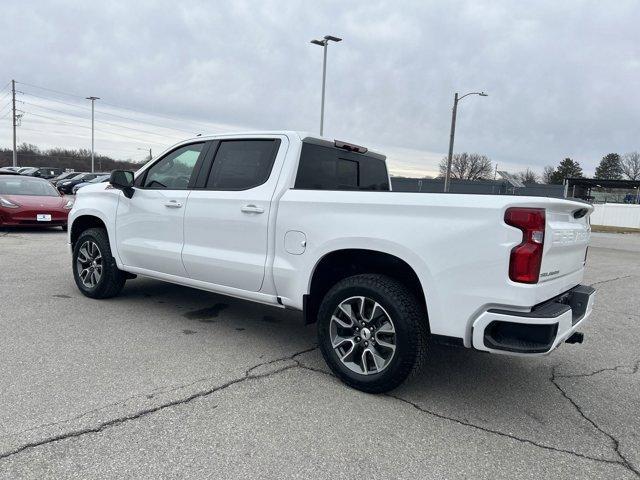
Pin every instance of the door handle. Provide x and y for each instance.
(252, 209)
(173, 204)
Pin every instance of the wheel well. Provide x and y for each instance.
(340, 264)
(83, 223)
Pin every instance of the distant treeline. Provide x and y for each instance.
(78, 160)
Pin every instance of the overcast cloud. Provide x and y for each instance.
(563, 78)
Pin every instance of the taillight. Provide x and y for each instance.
(526, 258)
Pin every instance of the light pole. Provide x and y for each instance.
(93, 101)
(456, 99)
(146, 150)
(323, 43)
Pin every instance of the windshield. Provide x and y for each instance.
(77, 177)
(27, 186)
(66, 175)
(99, 179)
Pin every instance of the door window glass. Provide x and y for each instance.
(242, 164)
(174, 171)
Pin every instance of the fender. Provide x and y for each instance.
(102, 203)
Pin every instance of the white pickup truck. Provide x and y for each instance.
(302, 222)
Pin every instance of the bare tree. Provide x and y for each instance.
(631, 165)
(547, 174)
(528, 176)
(468, 166)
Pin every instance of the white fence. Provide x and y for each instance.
(616, 215)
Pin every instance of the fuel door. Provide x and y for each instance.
(295, 242)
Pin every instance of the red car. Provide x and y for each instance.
(29, 201)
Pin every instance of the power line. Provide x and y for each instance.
(51, 90)
(85, 126)
(6, 105)
(103, 112)
(176, 119)
(116, 106)
(101, 121)
(75, 135)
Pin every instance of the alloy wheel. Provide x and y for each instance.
(363, 335)
(89, 264)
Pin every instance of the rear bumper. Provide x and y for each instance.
(537, 331)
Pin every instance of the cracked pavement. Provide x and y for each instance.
(166, 381)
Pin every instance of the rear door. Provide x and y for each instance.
(149, 226)
(227, 214)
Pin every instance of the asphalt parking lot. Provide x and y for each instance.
(167, 382)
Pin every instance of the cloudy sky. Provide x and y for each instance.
(563, 78)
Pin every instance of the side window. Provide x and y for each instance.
(242, 164)
(328, 168)
(173, 171)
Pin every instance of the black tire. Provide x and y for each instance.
(409, 319)
(64, 227)
(112, 279)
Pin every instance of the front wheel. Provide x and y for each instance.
(372, 332)
(94, 268)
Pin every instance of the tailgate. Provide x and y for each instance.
(566, 239)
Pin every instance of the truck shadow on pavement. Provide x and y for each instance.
(450, 376)
(522, 399)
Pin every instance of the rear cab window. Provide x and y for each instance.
(324, 166)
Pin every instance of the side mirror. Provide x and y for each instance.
(122, 180)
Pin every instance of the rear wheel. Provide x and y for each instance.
(372, 332)
(94, 268)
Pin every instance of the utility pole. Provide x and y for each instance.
(454, 113)
(13, 100)
(323, 43)
(93, 101)
(144, 149)
(451, 137)
(324, 85)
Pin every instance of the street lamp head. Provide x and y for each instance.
(482, 94)
(93, 98)
(319, 42)
(332, 38)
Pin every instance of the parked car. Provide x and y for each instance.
(64, 176)
(66, 186)
(27, 170)
(30, 201)
(48, 172)
(9, 169)
(301, 222)
(100, 179)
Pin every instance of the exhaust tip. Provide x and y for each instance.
(577, 337)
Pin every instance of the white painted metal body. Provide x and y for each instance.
(458, 245)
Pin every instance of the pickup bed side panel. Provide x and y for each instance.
(458, 245)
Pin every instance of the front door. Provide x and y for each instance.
(149, 226)
(226, 221)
